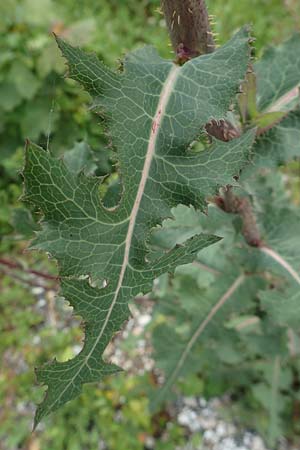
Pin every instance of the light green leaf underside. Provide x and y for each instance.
(278, 72)
(283, 306)
(279, 145)
(80, 158)
(268, 395)
(154, 110)
(236, 338)
(209, 307)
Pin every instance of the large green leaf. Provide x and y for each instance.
(278, 72)
(154, 110)
(280, 144)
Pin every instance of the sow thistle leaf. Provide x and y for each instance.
(154, 110)
(278, 72)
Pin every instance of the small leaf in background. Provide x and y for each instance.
(10, 98)
(50, 60)
(80, 159)
(278, 72)
(26, 83)
(23, 223)
(283, 306)
(281, 144)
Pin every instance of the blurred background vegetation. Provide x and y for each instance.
(38, 103)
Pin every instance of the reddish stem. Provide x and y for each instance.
(189, 28)
(18, 266)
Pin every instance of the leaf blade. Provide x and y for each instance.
(154, 109)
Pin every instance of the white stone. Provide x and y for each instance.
(191, 402)
(144, 320)
(188, 418)
(221, 429)
(37, 290)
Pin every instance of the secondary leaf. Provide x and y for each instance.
(268, 395)
(278, 72)
(211, 306)
(154, 110)
(283, 306)
(280, 144)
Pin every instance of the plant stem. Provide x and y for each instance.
(18, 266)
(241, 205)
(27, 282)
(189, 28)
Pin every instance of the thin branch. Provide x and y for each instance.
(28, 282)
(18, 266)
(282, 262)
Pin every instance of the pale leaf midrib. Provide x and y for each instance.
(154, 132)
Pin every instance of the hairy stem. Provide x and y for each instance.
(241, 205)
(189, 28)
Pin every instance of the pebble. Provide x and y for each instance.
(144, 319)
(37, 291)
(188, 418)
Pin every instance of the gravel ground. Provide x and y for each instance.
(196, 415)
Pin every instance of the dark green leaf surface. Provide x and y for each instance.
(154, 110)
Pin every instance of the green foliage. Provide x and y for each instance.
(277, 72)
(34, 97)
(271, 20)
(110, 246)
(248, 331)
(234, 310)
(250, 348)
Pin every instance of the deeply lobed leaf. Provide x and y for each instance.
(154, 110)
